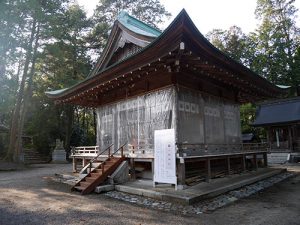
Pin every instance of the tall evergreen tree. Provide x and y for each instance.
(233, 42)
(36, 20)
(277, 38)
(63, 64)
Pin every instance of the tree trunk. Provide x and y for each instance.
(12, 153)
(27, 92)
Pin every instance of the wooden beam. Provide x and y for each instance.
(255, 161)
(228, 164)
(132, 166)
(290, 138)
(265, 154)
(243, 163)
(74, 165)
(181, 171)
(208, 170)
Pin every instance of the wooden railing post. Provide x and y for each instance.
(122, 149)
(109, 153)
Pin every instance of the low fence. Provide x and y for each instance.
(84, 150)
(184, 149)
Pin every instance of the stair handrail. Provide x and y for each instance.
(93, 159)
(122, 150)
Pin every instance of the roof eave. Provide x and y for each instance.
(177, 25)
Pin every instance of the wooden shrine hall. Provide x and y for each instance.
(147, 80)
(281, 119)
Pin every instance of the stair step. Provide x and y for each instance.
(95, 174)
(95, 164)
(84, 184)
(98, 174)
(79, 188)
(90, 179)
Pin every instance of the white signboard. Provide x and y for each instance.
(164, 157)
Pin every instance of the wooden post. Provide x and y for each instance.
(265, 159)
(208, 170)
(74, 164)
(152, 168)
(269, 140)
(132, 169)
(290, 139)
(228, 164)
(255, 161)
(109, 152)
(181, 171)
(83, 162)
(243, 162)
(122, 151)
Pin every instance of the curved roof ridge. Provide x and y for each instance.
(136, 25)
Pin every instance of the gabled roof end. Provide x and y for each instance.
(137, 26)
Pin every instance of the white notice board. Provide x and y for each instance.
(164, 157)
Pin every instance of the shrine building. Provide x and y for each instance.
(147, 80)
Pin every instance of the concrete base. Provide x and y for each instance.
(104, 188)
(120, 175)
(59, 156)
(294, 157)
(198, 192)
(278, 157)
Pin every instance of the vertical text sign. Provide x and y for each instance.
(164, 156)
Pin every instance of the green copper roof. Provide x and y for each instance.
(137, 26)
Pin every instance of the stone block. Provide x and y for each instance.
(121, 174)
(104, 188)
(59, 153)
(59, 156)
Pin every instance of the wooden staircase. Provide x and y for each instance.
(99, 171)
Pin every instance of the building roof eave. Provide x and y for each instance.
(180, 29)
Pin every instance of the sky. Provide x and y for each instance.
(208, 14)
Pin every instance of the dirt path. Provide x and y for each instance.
(30, 197)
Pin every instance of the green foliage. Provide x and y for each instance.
(247, 113)
(62, 63)
(272, 50)
(233, 42)
(294, 73)
(277, 39)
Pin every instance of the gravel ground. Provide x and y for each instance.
(31, 197)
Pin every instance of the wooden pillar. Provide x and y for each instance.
(228, 164)
(83, 162)
(208, 170)
(74, 165)
(243, 162)
(152, 168)
(181, 172)
(290, 138)
(269, 140)
(255, 161)
(265, 154)
(132, 166)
